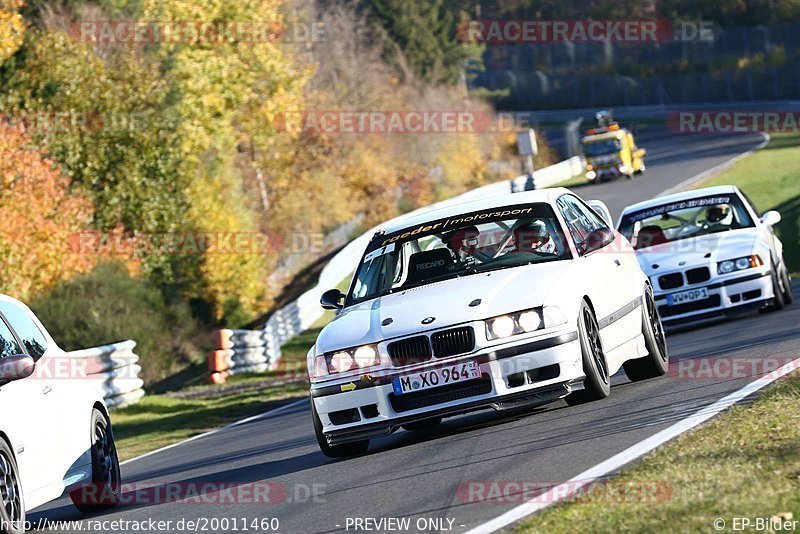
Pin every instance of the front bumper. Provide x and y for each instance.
(534, 371)
(726, 297)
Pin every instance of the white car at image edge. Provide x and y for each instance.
(708, 253)
(55, 433)
(517, 300)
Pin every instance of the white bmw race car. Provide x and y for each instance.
(511, 301)
(708, 253)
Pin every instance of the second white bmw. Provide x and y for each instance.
(708, 253)
(504, 302)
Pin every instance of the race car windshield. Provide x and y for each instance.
(598, 148)
(685, 219)
(461, 245)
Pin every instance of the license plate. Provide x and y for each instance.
(434, 378)
(687, 296)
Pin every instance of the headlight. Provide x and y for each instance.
(529, 320)
(514, 323)
(345, 360)
(739, 264)
(502, 326)
(726, 267)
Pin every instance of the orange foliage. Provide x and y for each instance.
(41, 218)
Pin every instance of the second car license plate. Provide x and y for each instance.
(687, 296)
(433, 378)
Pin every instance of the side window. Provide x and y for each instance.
(8, 345)
(581, 220)
(26, 329)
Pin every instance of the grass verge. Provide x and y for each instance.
(770, 179)
(744, 463)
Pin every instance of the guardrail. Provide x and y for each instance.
(241, 351)
(114, 370)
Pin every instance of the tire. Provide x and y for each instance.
(425, 424)
(788, 296)
(336, 451)
(12, 501)
(597, 384)
(104, 490)
(656, 363)
(778, 299)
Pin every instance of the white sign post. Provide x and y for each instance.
(526, 144)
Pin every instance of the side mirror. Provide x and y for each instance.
(332, 299)
(596, 240)
(602, 210)
(771, 218)
(15, 368)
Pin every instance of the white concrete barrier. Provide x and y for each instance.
(114, 370)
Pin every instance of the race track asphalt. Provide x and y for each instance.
(418, 475)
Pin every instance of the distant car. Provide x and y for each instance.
(512, 301)
(55, 434)
(708, 253)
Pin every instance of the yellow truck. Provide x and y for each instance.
(611, 152)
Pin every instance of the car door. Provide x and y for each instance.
(606, 269)
(45, 418)
(22, 409)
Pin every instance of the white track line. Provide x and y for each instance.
(220, 429)
(716, 169)
(630, 454)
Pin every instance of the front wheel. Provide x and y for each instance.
(335, 451)
(12, 502)
(788, 296)
(778, 302)
(104, 490)
(597, 384)
(656, 362)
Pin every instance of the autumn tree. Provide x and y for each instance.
(42, 219)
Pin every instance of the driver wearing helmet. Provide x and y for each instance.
(464, 243)
(534, 237)
(719, 216)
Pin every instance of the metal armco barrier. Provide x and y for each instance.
(115, 371)
(243, 351)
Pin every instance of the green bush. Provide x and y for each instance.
(108, 305)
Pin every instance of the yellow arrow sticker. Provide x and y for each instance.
(348, 387)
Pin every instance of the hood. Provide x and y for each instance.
(703, 250)
(448, 302)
